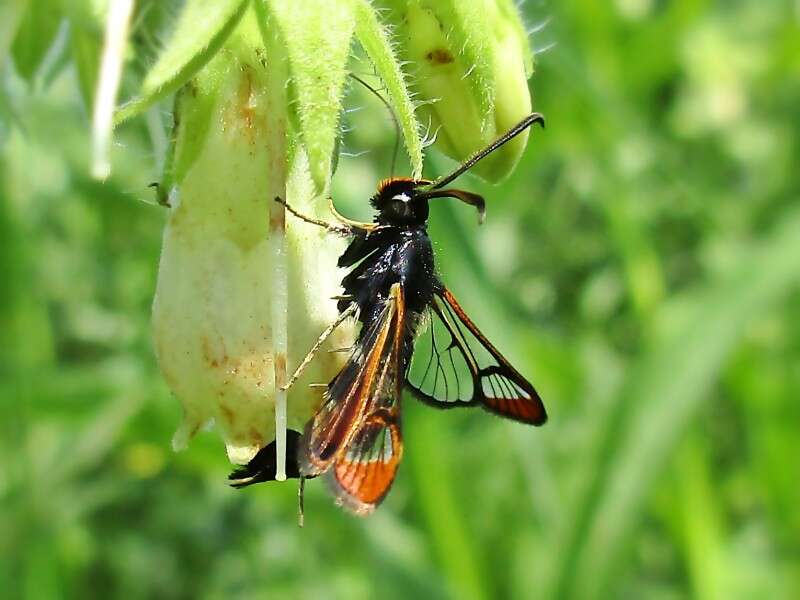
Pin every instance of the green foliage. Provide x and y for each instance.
(198, 34)
(34, 37)
(639, 264)
(317, 35)
(468, 64)
(375, 39)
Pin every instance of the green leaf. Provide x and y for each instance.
(376, 43)
(318, 34)
(86, 44)
(698, 518)
(35, 36)
(201, 30)
(664, 391)
(86, 49)
(11, 14)
(458, 556)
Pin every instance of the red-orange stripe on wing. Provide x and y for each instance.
(362, 476)
(332, 430)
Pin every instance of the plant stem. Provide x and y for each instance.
(116, 38)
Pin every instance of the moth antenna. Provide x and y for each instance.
(484, 152)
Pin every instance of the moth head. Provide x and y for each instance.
(402, 201)
(398, 203)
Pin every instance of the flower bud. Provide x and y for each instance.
(469, 65)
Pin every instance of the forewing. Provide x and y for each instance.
(347, 398)
(356, 431)
(455, 365)
(366, 467)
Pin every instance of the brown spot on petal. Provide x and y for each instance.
(255, 437)
(277, 218)
(440, 56)
(245, 100)
(227, 413)
(210, 357)
(205, 348)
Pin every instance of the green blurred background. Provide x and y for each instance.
(642, 265)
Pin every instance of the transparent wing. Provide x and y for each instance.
(455, 365)
(362, 475)
(356, 431)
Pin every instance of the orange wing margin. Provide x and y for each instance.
(357, 429)
(464, 368)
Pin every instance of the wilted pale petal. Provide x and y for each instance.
(211, 315)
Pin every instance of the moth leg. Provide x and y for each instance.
(161, 196)
(301, 496)
(337, 229)
(312, 353)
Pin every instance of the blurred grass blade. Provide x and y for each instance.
(11, 14)
(114, 44)
(34, 34)
(699, 522)
(201, 30)
(440, 504)
(643, 270)
(86, 45)
(99, 435)
(664, 391)
(376, 43)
